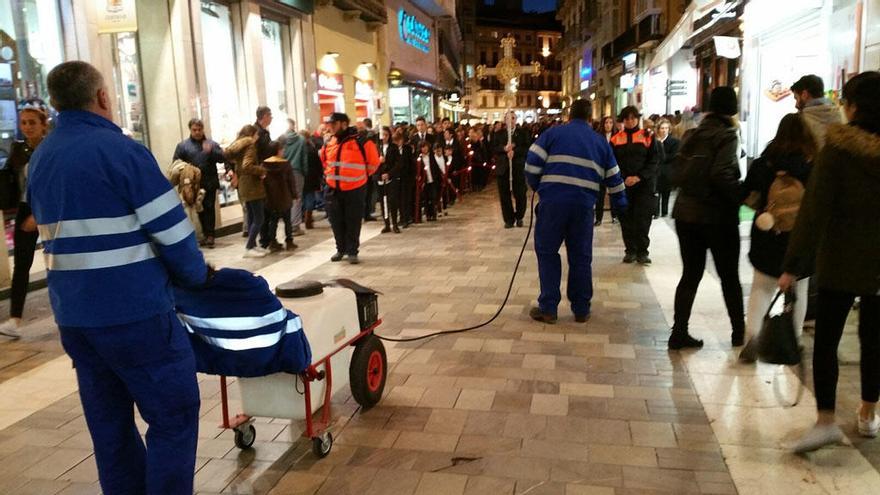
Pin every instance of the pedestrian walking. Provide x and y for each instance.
(115, 237)
(280, 194)
(706, 215)
(817, 111)
(348, 164)
(243, 152)
(33, 122)
(565, 167)
(606, 130)
(836, 236)
(295, 154)
(389, 174)
(205, 154)
(510, 147)
(637, 157)
(667, 148)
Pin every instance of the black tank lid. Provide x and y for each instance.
(296, 289)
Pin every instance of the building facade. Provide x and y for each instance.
(538, 38)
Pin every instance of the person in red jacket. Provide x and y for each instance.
(348, 162)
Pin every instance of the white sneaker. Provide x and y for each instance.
(870, 428)
(10, 329)
(262, 250)
(819, 436)
(254, 253)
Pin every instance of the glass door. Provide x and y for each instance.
(130, 108)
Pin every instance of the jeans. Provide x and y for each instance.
(346, 212)
(723, 241)
(296, 213)
(23, 259)
(255, 217)
(834, 307)
(150, 364)
(208, 216)
(572, 223)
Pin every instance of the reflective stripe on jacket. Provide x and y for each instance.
(346, 166)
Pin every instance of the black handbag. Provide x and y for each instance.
(777, 342)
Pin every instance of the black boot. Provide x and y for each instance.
(683, 340)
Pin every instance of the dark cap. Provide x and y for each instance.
(812, 84)
(338, 117)
(723, 101)
(630, 111)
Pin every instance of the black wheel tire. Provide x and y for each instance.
(368, 371)
(322, 445)
(245, 436)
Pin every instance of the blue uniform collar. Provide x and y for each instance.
(75, 117)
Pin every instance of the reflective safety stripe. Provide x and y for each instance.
(351, 166)
(532, 169)
(174, 234)
(573, 160)
(256, 342)
(564, 179)
(612, 172)
(100, 259)
(343, 178)
(538, 151)
(237, 322)
(89, 227)
(157, 207)
(616, 189)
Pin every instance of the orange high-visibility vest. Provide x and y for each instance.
(346, 165)
(638, 137)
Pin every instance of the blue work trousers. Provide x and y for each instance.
(572, 223)
(150, 364)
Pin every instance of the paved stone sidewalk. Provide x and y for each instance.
(514, 408)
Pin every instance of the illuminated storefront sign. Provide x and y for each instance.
(413, 32)
(116, 16)
(363, 90)
(329, 82)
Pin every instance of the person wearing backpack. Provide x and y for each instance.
(836, 236)
(775, 187)
(706, 214)
(348, 164)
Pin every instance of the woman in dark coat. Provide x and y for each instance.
(836, 236)
(389, 178)
(667, 148)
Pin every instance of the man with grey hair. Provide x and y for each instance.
(115, 237)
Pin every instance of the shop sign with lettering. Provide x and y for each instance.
(330, 82)
(363, 90)
(413, 32)
(116, 16)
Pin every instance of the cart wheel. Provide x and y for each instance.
(321, 445)
(245, 436)
(368, 370)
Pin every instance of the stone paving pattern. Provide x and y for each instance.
(513, 408)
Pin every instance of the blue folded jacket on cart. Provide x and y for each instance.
(238, 327)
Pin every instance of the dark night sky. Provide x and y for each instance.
(539, 5)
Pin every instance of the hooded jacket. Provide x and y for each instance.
(243, 152)
(768, 247)
(279, 185)
(837, 230)
(713, 195)
(818, 115)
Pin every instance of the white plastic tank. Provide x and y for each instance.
(329, 320)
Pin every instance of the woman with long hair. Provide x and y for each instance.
(251, 192)
(837, 234)
(790, 153)
(606, 129)
(33, 121)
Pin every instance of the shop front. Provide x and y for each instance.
(783, 40)
(411, 58)
(331, 94)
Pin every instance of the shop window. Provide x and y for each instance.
(218, 52)
(129, 88)
(273, 75)
(30, 46)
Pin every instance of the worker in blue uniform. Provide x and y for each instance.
(115, 236)
(566, 166)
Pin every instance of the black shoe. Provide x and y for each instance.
(336, 257)
(519, 223)
(353, 259)
(274, 247)
(629, 258)
(386, 230)
(508, 225)
(581, 318)
(682, 340)
(407, 224)
(738, 338)
(538, 315)
(597, 223)
(643, 259)
(395, 230)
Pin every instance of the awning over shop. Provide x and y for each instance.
(676, 38)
